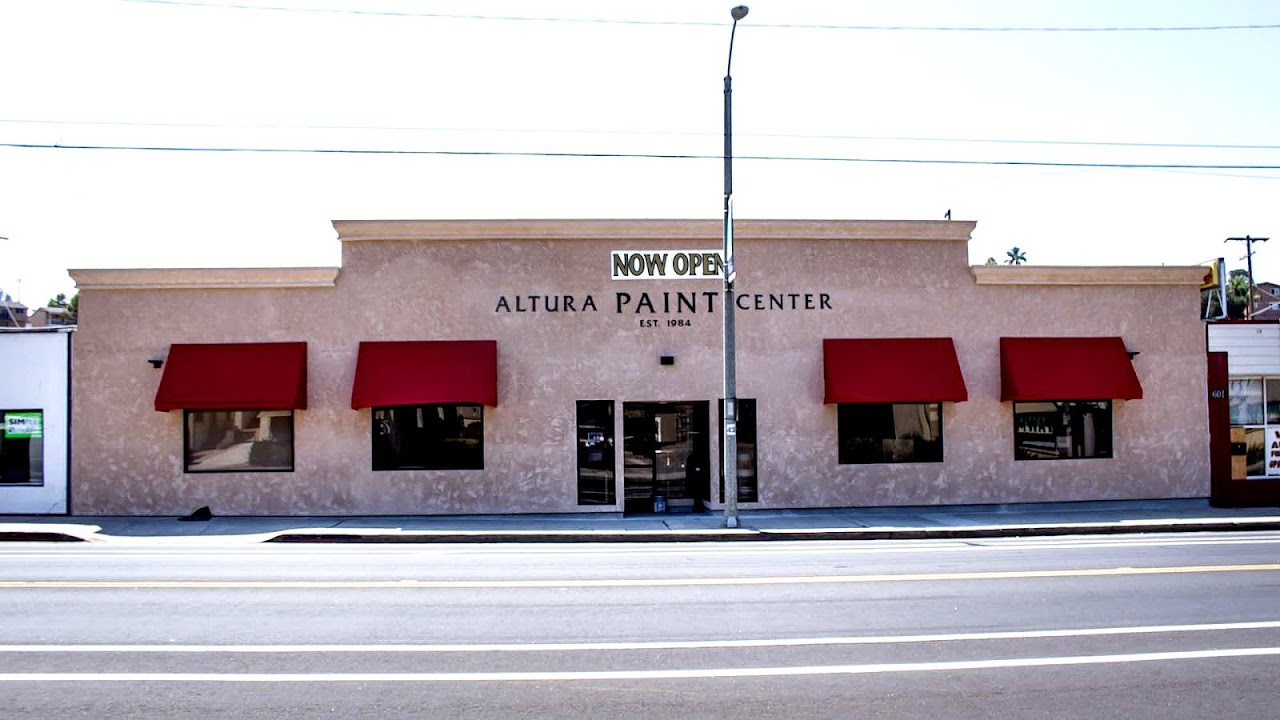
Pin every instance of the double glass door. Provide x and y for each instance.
(665, 452)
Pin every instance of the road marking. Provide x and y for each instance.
(651, 645)
(708, 673)
(794, 547)
(619, 582)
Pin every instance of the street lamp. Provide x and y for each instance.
(729, 439)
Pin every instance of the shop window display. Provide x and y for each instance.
(1255, 409)
(428, 437)
(1061, 430)
(21, 447)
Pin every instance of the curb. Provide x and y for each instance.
(376, 536)
(1128, 527)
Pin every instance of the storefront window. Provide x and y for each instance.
(428, 437)
(1246, 401)
(22, 447)
(1062, 430)
(889, 433)
(1255, 413)
(595, 453)
(238, 440)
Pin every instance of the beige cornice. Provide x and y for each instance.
(204, 278)
(1086, 275)
(642, 230)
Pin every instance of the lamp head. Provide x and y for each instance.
(738, 12)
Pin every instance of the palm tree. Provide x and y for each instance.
(1016, 256)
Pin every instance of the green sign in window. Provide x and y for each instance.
(19, 425)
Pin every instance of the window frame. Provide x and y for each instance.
(842, 459)
(373, 439)
(186, 442)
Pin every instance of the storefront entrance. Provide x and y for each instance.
(665, 456)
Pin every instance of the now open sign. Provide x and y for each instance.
(670, 264)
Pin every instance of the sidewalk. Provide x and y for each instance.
(938, 522)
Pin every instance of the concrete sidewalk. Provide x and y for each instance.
(939, 522)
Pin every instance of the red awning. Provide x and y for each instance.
(234, 376)
(1066, 368)
(892, 370)
(426, 371)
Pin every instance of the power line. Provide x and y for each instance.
(686, 133)
(644, 156)
(689, 23)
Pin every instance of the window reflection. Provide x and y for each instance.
(238, 440)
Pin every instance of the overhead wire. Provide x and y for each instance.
(645, 156)
(694, 23)
(582, 131)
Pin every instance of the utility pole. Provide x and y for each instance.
(1248, 257)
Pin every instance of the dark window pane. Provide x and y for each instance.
(428, 437)
(889, 433)
(748, 483)
(595, 453)
(1059, 430)
(22, 447)
(238, 440)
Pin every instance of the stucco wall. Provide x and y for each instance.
(883, 280)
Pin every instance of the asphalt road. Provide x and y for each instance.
(1179, 626)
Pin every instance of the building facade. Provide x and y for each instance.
(35, 380)
(453, 367)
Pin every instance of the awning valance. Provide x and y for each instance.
(234, 376)
(425, 372)
(891, 370)
(1066, 368)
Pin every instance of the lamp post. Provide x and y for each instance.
(729, 438)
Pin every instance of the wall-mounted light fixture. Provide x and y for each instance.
(667, 359)
(1134, 353)
(156, 363)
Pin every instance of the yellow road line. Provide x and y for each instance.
(623, 582)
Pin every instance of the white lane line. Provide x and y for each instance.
(810, 547)
(708, 673)
(624, 550)
(651, 645)
(411, 584)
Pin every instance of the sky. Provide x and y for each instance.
(264, 120)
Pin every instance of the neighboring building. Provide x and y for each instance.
(492, 366)
(1266, 301)
(35, 374)
(1244, 356)
(51, 317)
(13, 314)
